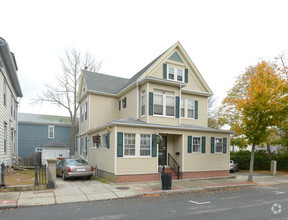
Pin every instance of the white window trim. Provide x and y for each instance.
(51, 126)
(143, 94)
(164, 104)
(193, 115)
(129, 156)
(215, 146)
(197, 152)
(105, 148)
(145, 156)
(184, 108)
(175, 73)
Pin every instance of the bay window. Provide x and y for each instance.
(158, 104)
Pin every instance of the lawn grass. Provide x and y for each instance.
(20, 177)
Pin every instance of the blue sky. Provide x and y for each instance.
(221, 37)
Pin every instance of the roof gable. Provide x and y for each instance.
(175, 57)
(108, 84)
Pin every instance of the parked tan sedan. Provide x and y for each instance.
(68, 168)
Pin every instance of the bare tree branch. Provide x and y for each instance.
(64, 93)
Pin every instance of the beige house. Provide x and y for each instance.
(10, 92)
(130, 127)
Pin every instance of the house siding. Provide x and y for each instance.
(33, 135)
(5, 116)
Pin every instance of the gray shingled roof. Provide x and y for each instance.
(112, 84)
(136, 122)
(43, 119)
(103, 83)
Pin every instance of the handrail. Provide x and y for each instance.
(174, 165)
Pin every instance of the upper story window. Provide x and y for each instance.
(50, 131)
(182, 108)
(164, 103)
(86, 109)
(5, 92)
(12, 103)
(175, 74)
(179, 75)
(171, 73)
(81, 113)
(124, 103)
(143, 103)
(190, 108)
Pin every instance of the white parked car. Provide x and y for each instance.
(233, 166)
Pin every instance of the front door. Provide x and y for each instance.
(162, 154)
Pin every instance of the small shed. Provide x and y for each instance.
(54, 149)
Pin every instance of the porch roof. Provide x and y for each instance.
(133, 122)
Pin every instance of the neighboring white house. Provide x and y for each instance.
(54, 149)
(10, 91)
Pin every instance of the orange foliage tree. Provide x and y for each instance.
(257, 102)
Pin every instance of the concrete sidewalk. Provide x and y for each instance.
(81, 191)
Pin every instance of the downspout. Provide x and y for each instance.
(137, 108)
(180, 106)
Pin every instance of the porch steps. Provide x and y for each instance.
(169, 170)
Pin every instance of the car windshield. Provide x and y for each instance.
(76, 162)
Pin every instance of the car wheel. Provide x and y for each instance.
(63, 176)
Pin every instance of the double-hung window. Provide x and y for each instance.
(129, 145)
(12, 103)
(86, 109)
(105, 140)
(5, 92)
(182, 108)
(158, 104)
(179, 75)
(164, 103)
(5, 138)
(143, 103)
(81, 113)
(171, 73)
(196, 144)
(145, 145)
(218, 145)
(170, 105)
(50, 131)
(190, 108)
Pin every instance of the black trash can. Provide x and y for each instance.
(166, 179)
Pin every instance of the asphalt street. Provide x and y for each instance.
(269, 202)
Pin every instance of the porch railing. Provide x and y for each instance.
(174, 165)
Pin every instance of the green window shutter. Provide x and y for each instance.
(203, 144)
(224, 145)
(86, 110)
(164, 71)
(120, 105)
(177, 106)
(196, 109)
(154, 146)
(189, 144)
(150, 103)
(119, 144)
(108, 140)
(212, 144)
(186, 75)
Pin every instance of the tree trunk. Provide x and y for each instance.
(269, 151)
(250, 177)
